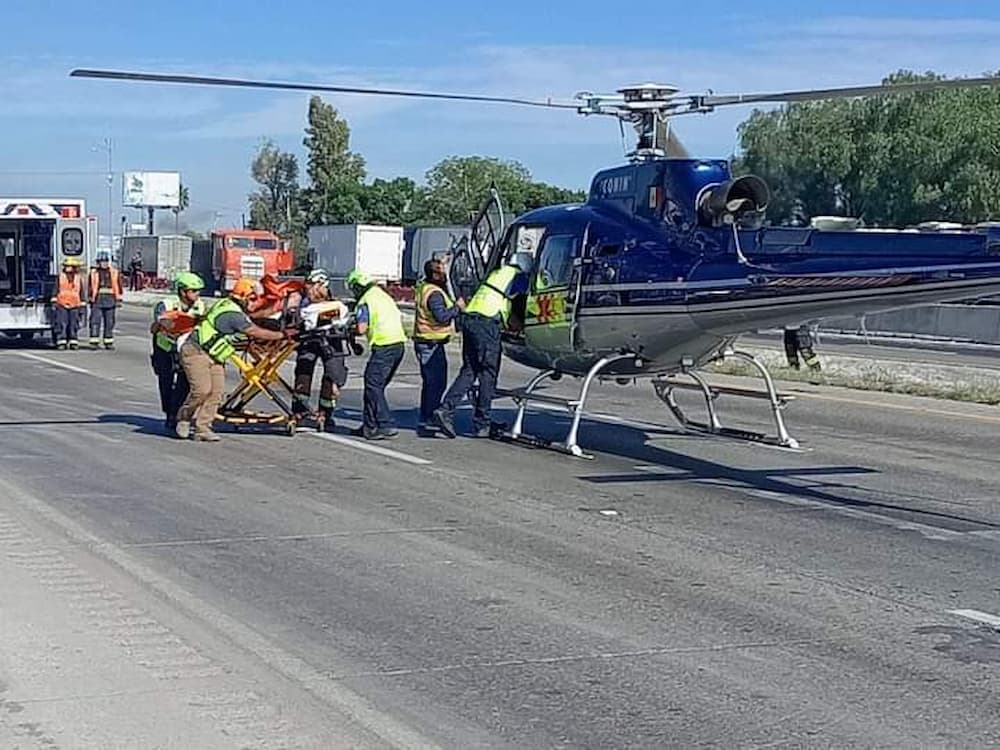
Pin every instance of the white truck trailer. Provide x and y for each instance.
(340, 248)
(36, 235)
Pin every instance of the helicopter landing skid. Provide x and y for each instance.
(664, 388)
(523, 396)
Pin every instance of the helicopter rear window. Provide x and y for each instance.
(555, 264)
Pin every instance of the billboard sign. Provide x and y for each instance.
(151, 189)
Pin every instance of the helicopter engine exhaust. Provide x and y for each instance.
(742, 201)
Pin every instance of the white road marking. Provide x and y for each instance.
(56, 363)
(387, 452)
(975, 614)
(929, 532)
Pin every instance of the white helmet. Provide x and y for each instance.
(318, 276)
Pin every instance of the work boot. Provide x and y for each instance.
(483, 432)
(183, 430)
(207, 437)
(389, 432)
(362, 432)
(325, 421)
(74, 345)
(444, 421)
(170, 425)
(95, 344)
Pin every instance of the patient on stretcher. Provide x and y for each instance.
(290, 301)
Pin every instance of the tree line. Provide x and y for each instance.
(891, 161)
(336, 190)
(888, 160)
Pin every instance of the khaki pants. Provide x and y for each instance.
(207, 381)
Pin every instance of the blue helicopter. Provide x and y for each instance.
(669, 261)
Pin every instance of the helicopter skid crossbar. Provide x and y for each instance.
(523, 396)
(665, 386)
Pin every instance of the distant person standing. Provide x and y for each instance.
(105, 293)
(135, 272)
(800, 340)
(67, 304)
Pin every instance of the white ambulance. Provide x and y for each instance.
(36, 235)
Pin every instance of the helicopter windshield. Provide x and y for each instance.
(555, 264)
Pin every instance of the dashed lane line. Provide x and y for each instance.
(378, 449)
(974, 614)
(57, 363)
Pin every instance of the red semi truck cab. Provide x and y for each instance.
(248, 252)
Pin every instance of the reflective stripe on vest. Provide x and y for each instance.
(385, 322)
(97, 290)
(218, 346)
(425, 327)
(490, 299)
(165, 341)
(70, 292)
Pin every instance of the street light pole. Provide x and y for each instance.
(111, 181)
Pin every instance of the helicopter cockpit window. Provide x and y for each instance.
(555, 265)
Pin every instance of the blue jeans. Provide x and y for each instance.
(382, 365)
(433, 375)
(481, 352)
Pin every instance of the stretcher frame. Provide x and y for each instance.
(259, 364)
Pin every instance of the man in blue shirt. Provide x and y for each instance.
(433, 325)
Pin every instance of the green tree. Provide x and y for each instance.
(390, 201)
(891, 160)
(183, 203)
(456, 188)
(275, 204)
(334, 194)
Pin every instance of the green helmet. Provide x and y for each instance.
(357, 278)
(188, 280)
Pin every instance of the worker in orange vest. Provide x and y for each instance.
(67, 304)
(105, 292)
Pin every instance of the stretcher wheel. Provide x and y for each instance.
(291, 428)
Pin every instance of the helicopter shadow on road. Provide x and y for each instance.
(826, 485)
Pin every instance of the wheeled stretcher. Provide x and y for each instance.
(259, 362)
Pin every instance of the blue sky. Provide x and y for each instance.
(49, 123)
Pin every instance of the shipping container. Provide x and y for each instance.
(425, 243)
(374, 249)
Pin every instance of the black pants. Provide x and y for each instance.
(102, 315)
(433, 376)
(481, 351)
(172, 382)
(67, 324)
(334, 374)
(382, 365)
(800, 341)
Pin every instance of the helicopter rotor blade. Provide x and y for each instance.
(250, 83)
(843, 93)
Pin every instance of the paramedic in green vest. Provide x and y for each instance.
(433, 327)
(486, 315)
(203, 357)
(380, 321)
(170, 376)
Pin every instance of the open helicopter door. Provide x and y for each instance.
(471, 255)
(554, 292)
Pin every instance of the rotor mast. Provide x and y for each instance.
(647, 107)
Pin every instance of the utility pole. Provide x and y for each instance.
(108, 148)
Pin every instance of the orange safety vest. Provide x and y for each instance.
(70, 292)
(95, 284)
(425, 327)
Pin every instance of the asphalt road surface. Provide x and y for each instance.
(676, 591)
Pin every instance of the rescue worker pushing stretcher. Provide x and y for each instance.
(327, 348)
(205, 353)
